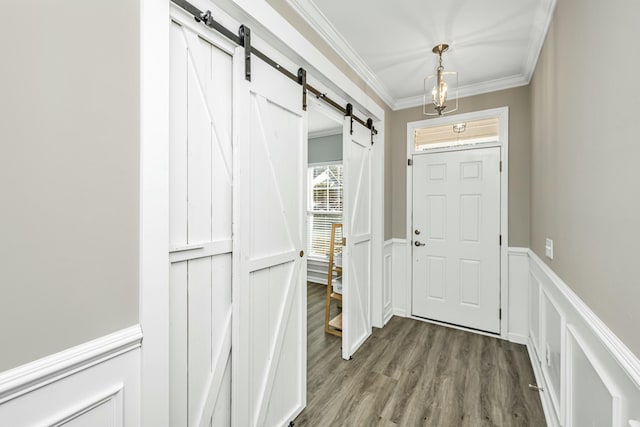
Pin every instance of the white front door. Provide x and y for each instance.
(456, 237)
(356, 310)
(200, 215)
(269, 293)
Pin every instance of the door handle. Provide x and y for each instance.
(417, 243)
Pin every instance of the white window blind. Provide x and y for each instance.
(325, 207)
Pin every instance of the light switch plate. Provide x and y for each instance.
(548, 248)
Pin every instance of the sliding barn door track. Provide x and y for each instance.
(243, 38)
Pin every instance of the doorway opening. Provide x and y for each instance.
(324, 222)
(457, 220)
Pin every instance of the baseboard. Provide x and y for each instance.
(401, 313)
(518, 338)
(93, 384)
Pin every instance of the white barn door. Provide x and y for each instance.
(269, 337)
(357, 218)
(200, 195)
(456, 240)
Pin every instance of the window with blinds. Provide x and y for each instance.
(324, 207)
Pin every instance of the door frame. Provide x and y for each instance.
(275, 36)
(502, 114)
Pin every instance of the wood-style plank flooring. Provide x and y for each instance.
(413, 373)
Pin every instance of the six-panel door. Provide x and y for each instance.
(456, 237)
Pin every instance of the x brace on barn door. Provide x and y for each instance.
(244, 39)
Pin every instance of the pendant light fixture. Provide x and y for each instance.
(440, 88)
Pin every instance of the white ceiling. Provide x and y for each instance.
(494, 44)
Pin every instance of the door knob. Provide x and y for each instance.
(417, 232)
(417, 243)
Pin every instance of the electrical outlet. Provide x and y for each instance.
(548, 248)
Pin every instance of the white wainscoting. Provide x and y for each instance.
(588, 375)
(400, 277)
(387, 282)
(518, 313)
(94, 384)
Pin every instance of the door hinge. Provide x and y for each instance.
(500, 240)
(500, 314)
(344, 241)
(500, 165)
(409, 162)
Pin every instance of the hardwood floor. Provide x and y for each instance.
(413, 373)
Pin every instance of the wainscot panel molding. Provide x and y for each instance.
(96, 383)
(387, 283)
(587, 374)
(518, 313)
(400, 277)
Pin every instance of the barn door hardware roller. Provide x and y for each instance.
(243, 38)
(349, 113)
(302, 80)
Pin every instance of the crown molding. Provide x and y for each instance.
(468, 90)
(319, 22)
(316, 19)
(539, 30)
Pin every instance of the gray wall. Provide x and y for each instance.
(585, 179)
(325, 149)
(69, 171)
(517, 100)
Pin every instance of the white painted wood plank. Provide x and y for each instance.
(200, 250)
(199, 154)
(220, 106)
(178, 343)
(200, 336)
(178, 138)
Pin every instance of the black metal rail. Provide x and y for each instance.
(243, 38)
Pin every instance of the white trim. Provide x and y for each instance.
(558, 400)
(539, 30)
(518, 251)
(503, 115)
(573, 337)
(154, 211)
(629, 363)
(77, 411)
(319, 22)
(27, 378)
(518, 338)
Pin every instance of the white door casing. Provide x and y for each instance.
(269, 292)
(456, 210)
(200, 230)
(357, 229)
